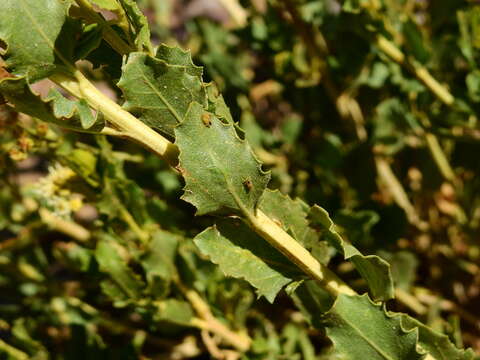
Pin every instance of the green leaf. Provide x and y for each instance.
(111, 5)
(139, 25)
(158, 260)
(35, 54)
(65, 108)
(115, 7)
(391, 122)
(290, 214)
(173, 55)
(313, 301)
(84, 163)
(473, 85)
(221, 173)
(110, 261)
(404, 266)
(174, 311)
(31, 29)
(359, 329)
(378, 75)
(243, 254)
(373, 269)
(414, 41)
(20, 332)
(216, 103)
(76, 256)
(89, 41)
(436, 344)
(158, 93)
(107, 59)
(56, 108)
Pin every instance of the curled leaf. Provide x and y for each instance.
(373, 269)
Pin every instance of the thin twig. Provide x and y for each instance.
(420, 72)
(208, 322)
(410, 301)
(130, 221)
(138, 131)
(211, 346)
(388, 178)
(12, 351)
(69, 228)
(448, 305)
(114, 325)
(349, 109)
(436, 88)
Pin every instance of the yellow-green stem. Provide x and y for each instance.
(133, 128)
(294, 251)
(13, 352)
(388, 178)
(69, 228)
(127, 124)
(419, 71)
(439, 157)
(128, 218)
(208, 322)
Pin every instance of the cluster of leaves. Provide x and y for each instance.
(100, 258)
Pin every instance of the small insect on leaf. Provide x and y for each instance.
(248, 185)
(207, 121)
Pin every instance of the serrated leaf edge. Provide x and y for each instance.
(389, 315)
(257, 290)
(51, 102)
(184, 51)
(187, 192)
(121, 83)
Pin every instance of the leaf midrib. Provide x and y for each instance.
(229, 184)
(366, 339)
(162, 98)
